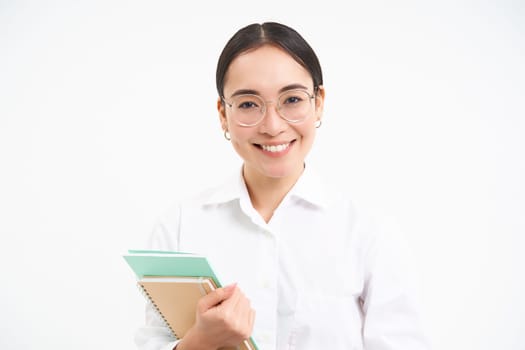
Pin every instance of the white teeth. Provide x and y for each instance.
(278, 148)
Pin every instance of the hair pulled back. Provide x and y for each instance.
(269, 33)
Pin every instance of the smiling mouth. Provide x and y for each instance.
(275, 148)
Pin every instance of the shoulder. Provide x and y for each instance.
(375, 237)
(219, 192)
(367, 224)
(167, 226)
(337, 199)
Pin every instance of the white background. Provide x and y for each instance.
(107, 115)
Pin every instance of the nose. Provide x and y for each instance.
(272, 123)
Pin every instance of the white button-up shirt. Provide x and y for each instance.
(319, 274)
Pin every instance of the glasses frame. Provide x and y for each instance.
(277, 105)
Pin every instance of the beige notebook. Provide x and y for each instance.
(175, 299)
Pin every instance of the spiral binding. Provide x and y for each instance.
(145, 293)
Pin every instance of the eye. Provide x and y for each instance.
(292, 99)
(247, 105)
(247, 102)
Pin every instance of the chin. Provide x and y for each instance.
(279, 172)
(276, 175)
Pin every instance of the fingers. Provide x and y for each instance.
(245, 319)
(215, 297)
(237, 314)
(232, 301)
(225, 317)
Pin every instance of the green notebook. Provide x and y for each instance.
(173, 282)
(168, 263)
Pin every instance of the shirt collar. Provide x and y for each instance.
(308, 187)
(233, 188)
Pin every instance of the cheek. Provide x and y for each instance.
(241, 138)
(239, 134)
(307, 131)
(308, 137)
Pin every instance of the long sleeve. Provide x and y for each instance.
(155, 335)
(391, 300)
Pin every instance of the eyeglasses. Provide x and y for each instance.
(294, 106)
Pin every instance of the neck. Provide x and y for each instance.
(266, 193)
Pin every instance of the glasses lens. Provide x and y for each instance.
(295, 105)
(247, 109)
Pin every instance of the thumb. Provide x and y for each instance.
(215, 297)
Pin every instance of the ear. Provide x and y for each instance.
(319, 102)
(222, 114)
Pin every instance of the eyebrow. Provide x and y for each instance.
(281, 90)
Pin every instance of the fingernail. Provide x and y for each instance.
(230, 287)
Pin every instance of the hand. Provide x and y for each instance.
(224, 318)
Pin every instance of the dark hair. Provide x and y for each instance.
(256, 35)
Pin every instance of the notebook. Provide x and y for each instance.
(173, 282)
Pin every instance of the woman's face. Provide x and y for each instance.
(268, 71)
